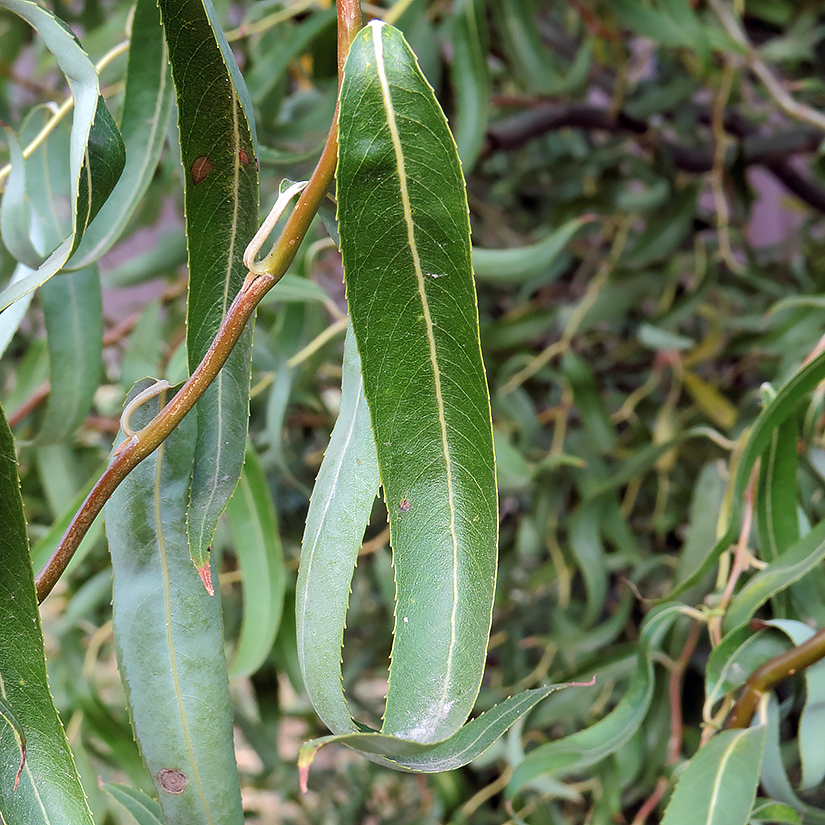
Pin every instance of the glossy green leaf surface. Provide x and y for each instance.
(405, 241)
(338, 513)
(147, 108)
(718, 786)
(257, 545)
(49, 790)
(168, 637)
(97, 153)
(221, 199)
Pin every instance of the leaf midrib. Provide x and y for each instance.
(170, 640)
(422, 294)
(219, 381)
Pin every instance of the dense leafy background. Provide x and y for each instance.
(625, 372)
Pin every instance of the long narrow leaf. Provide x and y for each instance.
(97, 153)
(46, 788)
(339, 510)
(587, 747)
(147, 108)
(168, 638)
(718, 786)
(777, 411)
(221, 197)
(405, 240)
(254, 528)
(73, 311)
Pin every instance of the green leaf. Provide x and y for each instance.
(467, 744)
(580, 750)
(806, 554)
(49, 790)
(781, 407)
(9, 717)
(168, 637)
(221, 199)
(777, 491)
(718, 786)
(774, 778)
(143, 808)
(517, 265)
(15, 211)
(406, 245)
(471, 79)
(338, 513)
(254, 530)
(812, 718)
(97, 153)
(733, 660)
(73, 311)
(768, 812)
(147, 108)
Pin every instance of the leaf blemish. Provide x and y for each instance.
(173, 780)
(243, 156)
(200, 168)
(404, 505)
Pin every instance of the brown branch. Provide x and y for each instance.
(770, 151)
(145, 442)
(30, 404)
(771, 673)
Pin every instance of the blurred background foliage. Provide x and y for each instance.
(666, 202)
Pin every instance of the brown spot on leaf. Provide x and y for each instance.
(200, 168)
(404, 505)
(244, 157)
(172, 780)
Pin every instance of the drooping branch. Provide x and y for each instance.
(770, 151)
(143, 443)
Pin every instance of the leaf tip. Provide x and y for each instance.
(205, 572)
(306, 756)
(22, 764)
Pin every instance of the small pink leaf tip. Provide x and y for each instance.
(205, 573)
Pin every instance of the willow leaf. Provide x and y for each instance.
(15, 212)
(73, 312)
(339, 510)
(471, 79)
(254, 529)
(467, 744)
(147, 108)
(772, 416)
(587, 747)
(45, 788)
(143, 808)
(406, 244)
(718, 786)
(168, 637)
(97, 154)
(221, 200)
